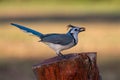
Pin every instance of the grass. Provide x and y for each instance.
(15, 69)
(17, 8)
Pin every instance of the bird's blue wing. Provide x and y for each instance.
(62, 39)
(28, 30)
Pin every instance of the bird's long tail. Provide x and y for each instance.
(28, 30)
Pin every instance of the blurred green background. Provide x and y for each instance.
(19, 51)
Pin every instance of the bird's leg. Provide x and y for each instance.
(60, 54)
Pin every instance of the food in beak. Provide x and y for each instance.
(82, 29)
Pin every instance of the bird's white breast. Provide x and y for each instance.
(58, 47)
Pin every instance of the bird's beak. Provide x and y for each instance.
(82, 29)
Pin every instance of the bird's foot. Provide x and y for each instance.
(61, 55)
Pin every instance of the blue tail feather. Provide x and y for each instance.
(28, 30)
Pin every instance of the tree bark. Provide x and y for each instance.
(80, 66)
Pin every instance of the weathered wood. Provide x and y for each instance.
(80, 66)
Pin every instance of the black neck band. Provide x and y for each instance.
(73, 38)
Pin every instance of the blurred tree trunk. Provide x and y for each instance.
(73, 67)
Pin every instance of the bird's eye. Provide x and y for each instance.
(75, 29)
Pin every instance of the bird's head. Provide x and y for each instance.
(75, 30)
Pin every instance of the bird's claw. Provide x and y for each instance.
(62, 56)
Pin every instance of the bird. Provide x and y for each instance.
(57, 41)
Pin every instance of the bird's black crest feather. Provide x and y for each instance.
(70, 26)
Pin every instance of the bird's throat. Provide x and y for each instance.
(75, 37)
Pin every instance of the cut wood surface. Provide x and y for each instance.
(76, 66)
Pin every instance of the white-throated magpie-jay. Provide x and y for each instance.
(57, 42)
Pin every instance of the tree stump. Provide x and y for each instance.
(80, 66)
